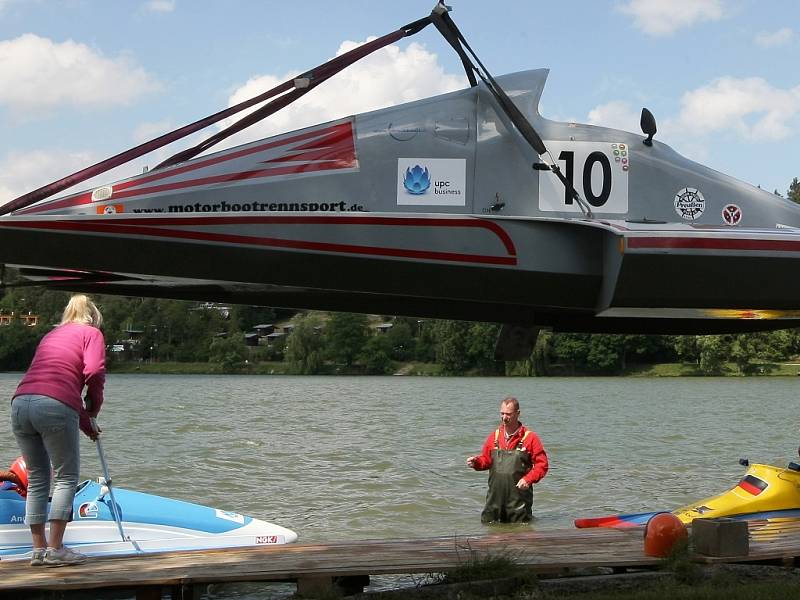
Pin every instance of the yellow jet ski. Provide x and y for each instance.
(765, 492)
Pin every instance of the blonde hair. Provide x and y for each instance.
(81, 309)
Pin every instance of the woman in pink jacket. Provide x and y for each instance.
(47, 412)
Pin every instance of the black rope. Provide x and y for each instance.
(455, 38)
(315, 76)
(452, 39)
(449, 30)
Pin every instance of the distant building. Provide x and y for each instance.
(224, 311)
(29, 320)
(275, 336)
(383, 327)
(264, 329)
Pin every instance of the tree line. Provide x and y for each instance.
(181, 331)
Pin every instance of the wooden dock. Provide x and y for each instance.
(314, 566)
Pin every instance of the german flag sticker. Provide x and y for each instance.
(753, 485)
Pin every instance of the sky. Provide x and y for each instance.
(81, 80)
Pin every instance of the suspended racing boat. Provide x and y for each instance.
(469, 205)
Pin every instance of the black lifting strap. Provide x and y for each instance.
(454, 37)
(303, 84)
(450, 32)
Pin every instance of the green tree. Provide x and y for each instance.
(571, 348)
(779, 345)
(481, 340)
(425, 347)
(245, 317)
(305, 346)
(452, 338)
(401, 340)
(713, 350)
(345, 335)
(18, 344)
(793, 193)
(687, 348)
(376, 355)
(230, 352)
(606, 353)
(743, 351)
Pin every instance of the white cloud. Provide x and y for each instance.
(26, 171)
(616, 114)
(661, 17)
(39, 74)
(750, 107)
(387, 77)
(147, 131)
(164, 6)
(23, 172)
(770, 39)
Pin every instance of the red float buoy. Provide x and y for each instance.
(20, 469)
(662, 532)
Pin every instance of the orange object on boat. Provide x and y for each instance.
(661, 534)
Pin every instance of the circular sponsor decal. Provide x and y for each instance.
(690, 204)
(731, 214)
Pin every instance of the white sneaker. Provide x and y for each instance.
(62, 557)
(37, 557)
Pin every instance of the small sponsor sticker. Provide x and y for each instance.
(731, 215)
(110, 209)
(690, 204)
(229, 516)
(87, 510)
(266, 539)
(431, 182)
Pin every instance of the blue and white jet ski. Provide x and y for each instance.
(150, 524)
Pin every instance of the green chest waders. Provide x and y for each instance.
(505, 502)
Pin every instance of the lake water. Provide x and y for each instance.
(344, 458)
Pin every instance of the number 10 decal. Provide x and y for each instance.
(598, 170)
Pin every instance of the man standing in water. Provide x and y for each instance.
(516, 460)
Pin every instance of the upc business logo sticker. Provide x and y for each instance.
(431, 182)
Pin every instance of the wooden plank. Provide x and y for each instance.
(542, 551)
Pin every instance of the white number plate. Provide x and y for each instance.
(598, 170)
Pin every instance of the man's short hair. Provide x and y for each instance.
(511, 400)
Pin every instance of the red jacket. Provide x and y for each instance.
(531, 443)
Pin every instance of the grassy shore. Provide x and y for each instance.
(196, 368)
(434, 370)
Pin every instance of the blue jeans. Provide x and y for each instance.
(47, 430)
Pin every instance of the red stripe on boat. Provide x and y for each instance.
(154, 227)
(328, 149)
(692, 243)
